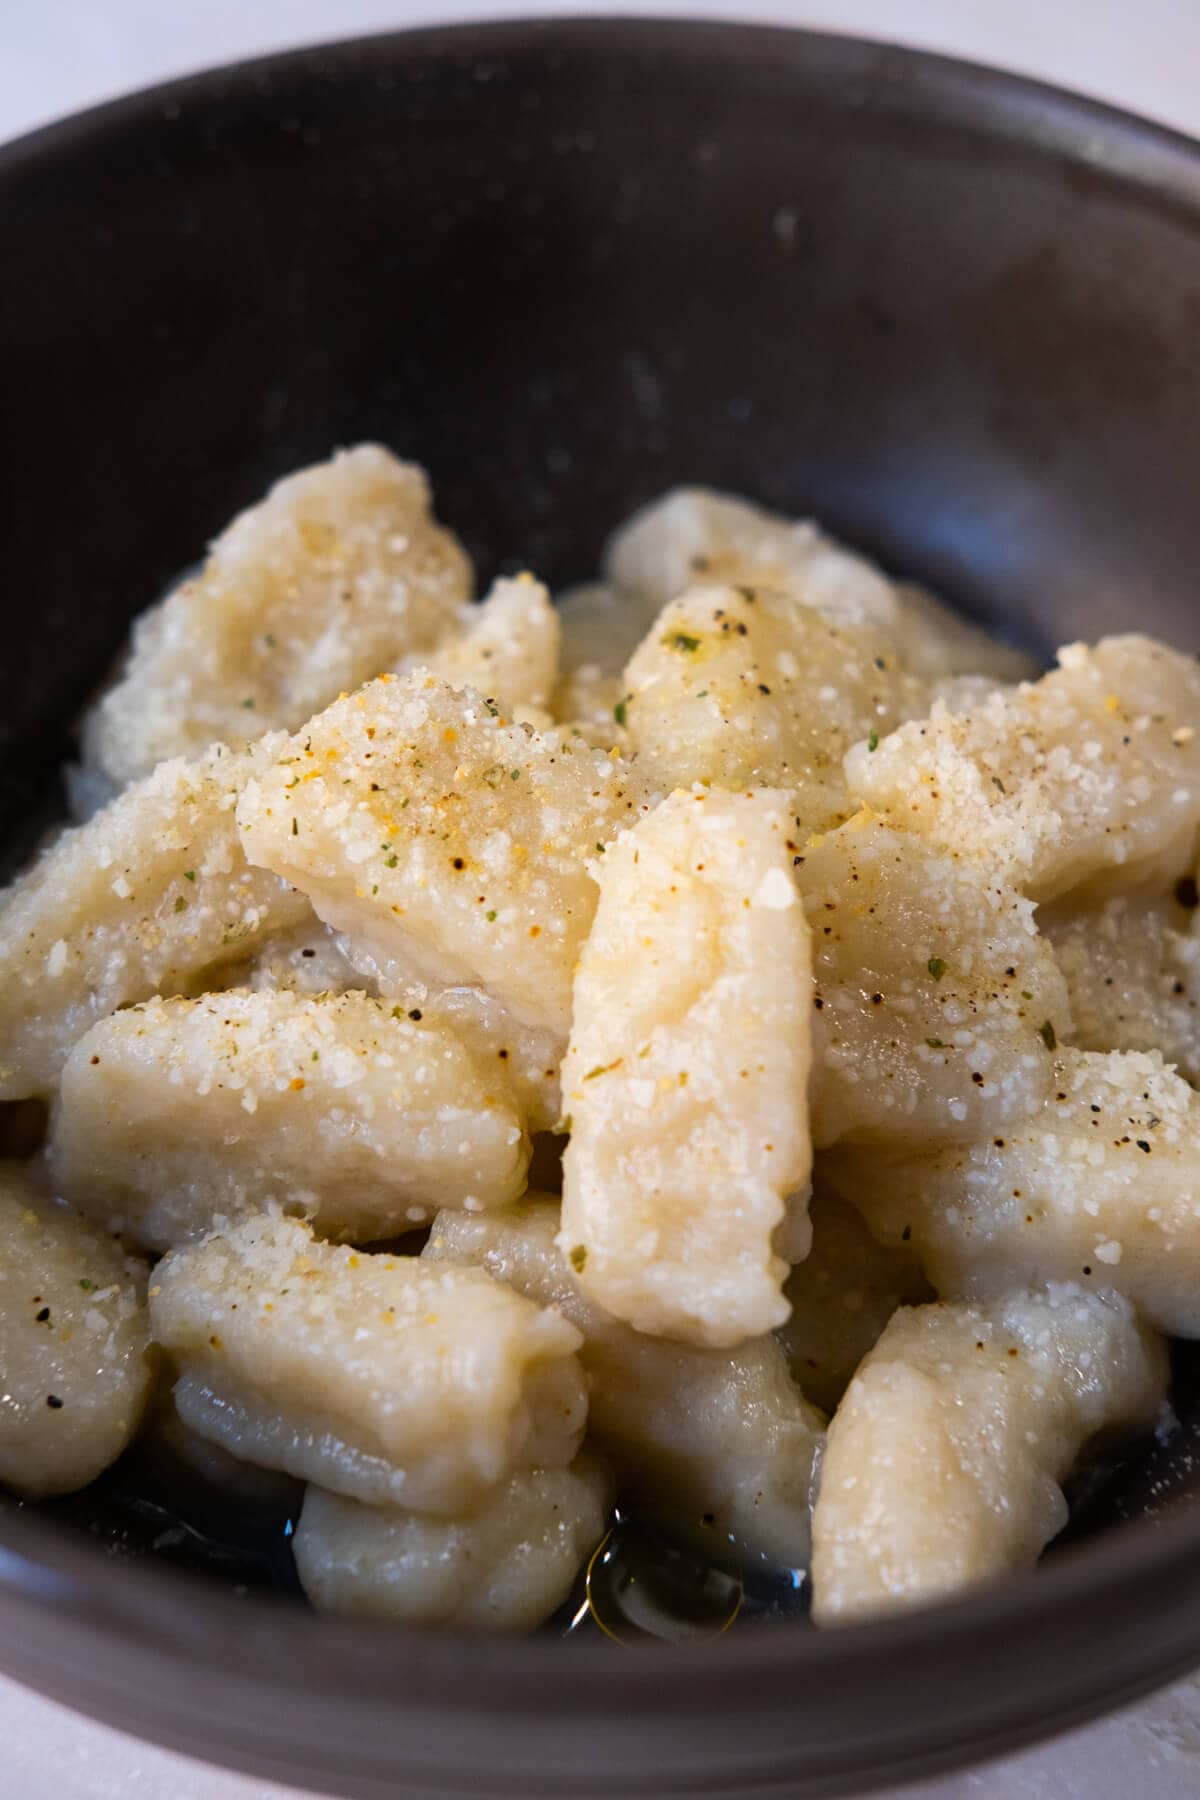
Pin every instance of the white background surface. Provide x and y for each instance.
(59, 55)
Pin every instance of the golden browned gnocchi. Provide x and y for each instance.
(74, 1342)
(176, 1110)
(409, 909)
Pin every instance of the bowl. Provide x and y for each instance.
(952, 314)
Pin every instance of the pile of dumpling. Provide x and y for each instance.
(843, 981)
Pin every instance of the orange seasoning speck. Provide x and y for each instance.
(296, 1084)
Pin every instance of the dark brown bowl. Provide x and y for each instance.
(954, 314)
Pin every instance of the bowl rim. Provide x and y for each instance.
(46, 1571)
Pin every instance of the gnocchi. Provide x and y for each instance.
(945, 1459)
(686, 1071)
(722, 1440)
(74, 1343)
(375, 1376)
(506, 1567)
(336, 574)
(1099, 1187)
(334, 1105)
(422, 824)
(839, 968)
(744, 686)
(1087, 780)
(146, 898)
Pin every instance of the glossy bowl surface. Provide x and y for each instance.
(953, 314)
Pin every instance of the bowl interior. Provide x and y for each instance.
(950, 314)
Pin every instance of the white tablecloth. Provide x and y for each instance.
(59, 55)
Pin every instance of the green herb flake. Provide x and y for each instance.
(599, 849)
(295, 828)
(578, 1255)
(492, 708)
(490, 916)
(248, 705)
(680, 640)
(397, 1012)
(89, 1287)
(997, 783)
(316, 1056)
(189, 874)
(936, 967)
(516, 774)
(1048, 1035)
(873, 740)
(620, 714)
(270, 640)
(389, 862)
(936, 1044)
(180, 903)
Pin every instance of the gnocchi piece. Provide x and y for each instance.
(1132, 969)
(336, 574)
(944, 1461)
(722, 1440)
(694, 534)
(74, 1343)
(146, 898)
(506, 1567)
(1088, 779)
(1101, 1187)
(601, 628)
(176, 1112)
(430, 831)
(686, 1072)
(508, 649)
(375, 1376)
(528, 1056)
(935, 997)
(944, 645)
(310, 959)
(842, 1295)
(743, 686)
